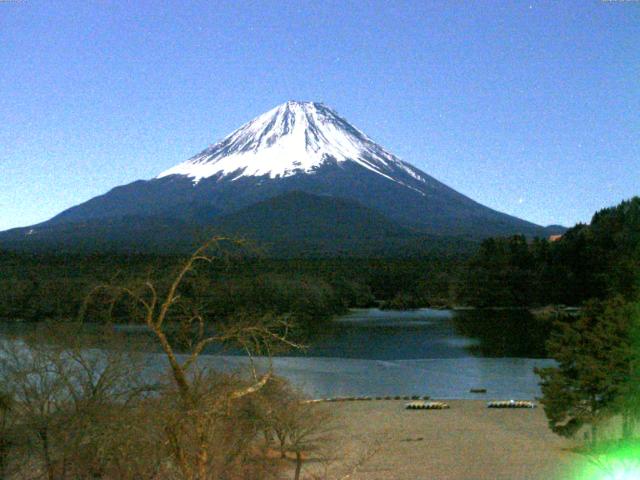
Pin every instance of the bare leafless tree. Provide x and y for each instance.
(84, 409)
(309, 429)
(344, 456)
(301, 428)
(62, 391)
(201, 406)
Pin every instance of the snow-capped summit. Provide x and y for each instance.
(292, 138)
(299, 176)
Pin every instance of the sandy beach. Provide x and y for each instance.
(466, 442)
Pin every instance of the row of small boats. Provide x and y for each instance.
(354, 399)
(511, 404)
(495, 404)
(422, 402)
(427, 406)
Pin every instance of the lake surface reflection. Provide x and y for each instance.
(439, 353)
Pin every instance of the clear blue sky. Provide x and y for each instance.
(530, 107)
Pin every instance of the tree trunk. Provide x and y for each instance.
(5, 446)
(594, 421)
(626, 433)
(179, 374)
(298, 465)
(202, 462)
(268, 438)
(44, 438)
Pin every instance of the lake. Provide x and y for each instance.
(440, 353)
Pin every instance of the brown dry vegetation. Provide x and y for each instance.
(74, 412)
(77, 405)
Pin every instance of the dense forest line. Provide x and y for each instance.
(588, 261)
(594, 261)
(36, 287)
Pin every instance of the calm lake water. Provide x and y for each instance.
(421, 352)
(439, 353)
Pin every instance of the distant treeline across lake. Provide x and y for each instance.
(588, 262)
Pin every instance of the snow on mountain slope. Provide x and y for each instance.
(293, 138)
(296, 152)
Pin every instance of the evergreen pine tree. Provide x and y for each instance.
(598, 369)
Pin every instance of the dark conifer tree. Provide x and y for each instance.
(596, 375)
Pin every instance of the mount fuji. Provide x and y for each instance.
(296, 175)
